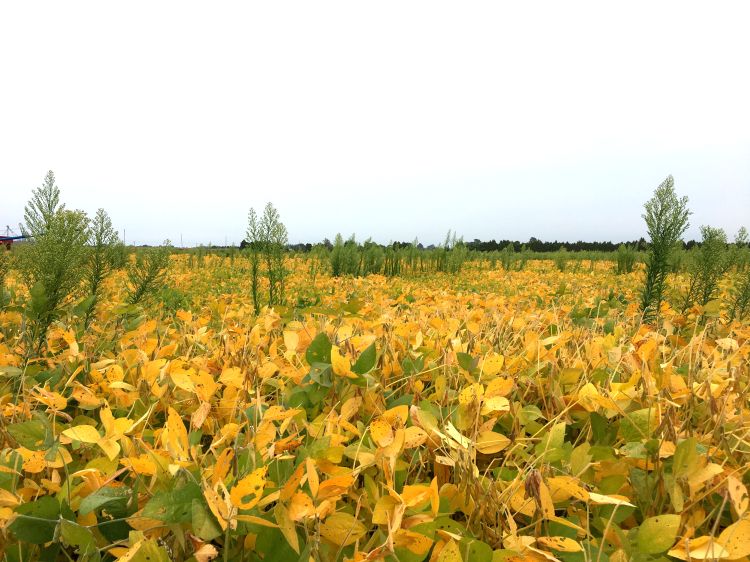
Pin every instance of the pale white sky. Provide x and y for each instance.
(391, 119)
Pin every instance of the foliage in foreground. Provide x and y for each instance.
(485, 415)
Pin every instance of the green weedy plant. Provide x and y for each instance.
(708, 265)
(4, 268)
(740, 304)
(678, 258)
(146, 275)
(525, 255)
(345, 258)
(507, 256)
(391, 261)
(42, 207)
(103, 248)
(740, 250)
(275, 239)
(120, 255)
(561, 259)
(412, 256)
(337, 256)
(53, 267)
(666, 217)
(626, 258)
(316, 260)
(351, 256)
(740, 293)
(254, 238)
(372, 258)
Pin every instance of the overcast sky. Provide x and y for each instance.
(393, 120)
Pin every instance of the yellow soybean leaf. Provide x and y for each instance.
(397, 415)
(182, 379)
(450, 553)
(736, 539)
(385, 510)
(205, 385)
(222, 465)
(256, 521)
(265, 433)
(501, 386)
(588, 397)
(415, 495)
(342, 529)
(471, 394)
(247, 492)
(141, 464)
(492, 365)
(268, 370)
(83, 433)
(334, 486)
(495, 405)
(563, 544)
(350, 407)
(339, 363)
(491, 442)
(609, 500)
(564, 487)
(382, 432)
(232, 376)
(727, 344)
(699, 548)
(291, 340)
(301, 507)
(286, 526)
(545, 500)
(414, 542)
(312, 476)
(414, 437)
(292, 483)
(110, 447)
(175, 435)
(738, 494)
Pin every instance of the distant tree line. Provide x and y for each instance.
(533, 245)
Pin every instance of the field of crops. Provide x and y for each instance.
(482, 416)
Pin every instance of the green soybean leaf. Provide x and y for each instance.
(106, 496)
(204, 525)
(638, 425)
(36, 521)
(366, 361)
(31, 434)
(319, 350)
(174, 506)
(81, 538)
(685, 459)
(475, 550)
(658, 534)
